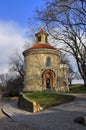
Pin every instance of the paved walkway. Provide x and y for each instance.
(7, 123)
(56, 118)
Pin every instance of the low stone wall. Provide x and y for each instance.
(28, 105)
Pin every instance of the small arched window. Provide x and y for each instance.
(48, 62)
(39, 38)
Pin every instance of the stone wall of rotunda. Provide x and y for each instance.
(35, 65)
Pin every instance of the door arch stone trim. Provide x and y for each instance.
(48, 75)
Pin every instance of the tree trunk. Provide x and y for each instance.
(84, 83)
(70, 82)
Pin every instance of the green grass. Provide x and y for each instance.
(47, 99)
(77, 88)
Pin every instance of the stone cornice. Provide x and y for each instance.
(41, 51)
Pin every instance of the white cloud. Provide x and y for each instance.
(76, 81)
(12, 37)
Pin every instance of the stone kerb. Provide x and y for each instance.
(28, 105)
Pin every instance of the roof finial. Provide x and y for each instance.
(42, 30)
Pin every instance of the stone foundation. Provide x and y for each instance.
(28, 105)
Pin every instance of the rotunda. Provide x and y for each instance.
(43, 67)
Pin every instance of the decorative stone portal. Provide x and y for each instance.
(48, 78)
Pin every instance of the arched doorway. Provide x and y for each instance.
(48, 78)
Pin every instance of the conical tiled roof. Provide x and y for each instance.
(39, 46)
(41, 42)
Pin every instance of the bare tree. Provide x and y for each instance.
(66, 22)
(16, 64)
(15, 80)
(3, 80)
(72, 74)
(14, 86)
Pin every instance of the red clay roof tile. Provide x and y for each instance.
(38, 46)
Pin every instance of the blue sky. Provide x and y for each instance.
(14, 15)
(18, 10)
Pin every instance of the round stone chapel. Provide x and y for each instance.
(44, 69)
